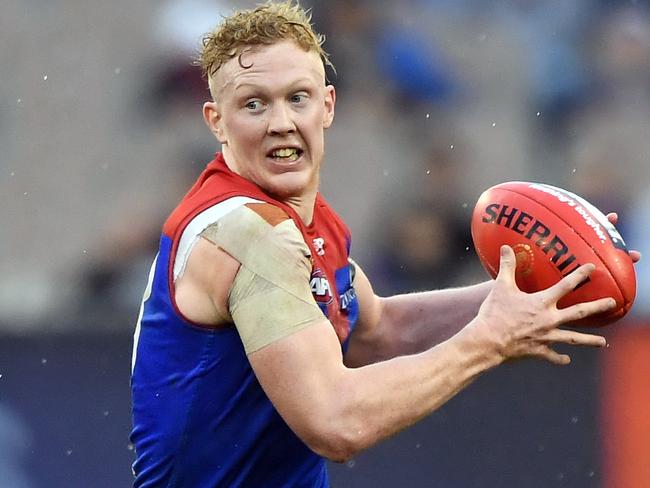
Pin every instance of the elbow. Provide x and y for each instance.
(335, 449)
(337, 443)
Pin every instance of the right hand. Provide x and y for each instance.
(526, 324)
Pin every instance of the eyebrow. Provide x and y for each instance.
(256, 86)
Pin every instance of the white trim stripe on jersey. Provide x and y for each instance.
(198, 224)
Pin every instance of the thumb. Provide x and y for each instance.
(507, 265)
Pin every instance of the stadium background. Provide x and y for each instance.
(100, 134)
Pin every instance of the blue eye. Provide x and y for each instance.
(298, 98)
(253, 105)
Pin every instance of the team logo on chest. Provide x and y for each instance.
(319, 245)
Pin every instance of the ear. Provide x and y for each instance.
(330, 101)
(212, 118)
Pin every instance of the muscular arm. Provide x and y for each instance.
(408, 324)
(339, 411)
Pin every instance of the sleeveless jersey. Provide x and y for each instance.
(200, 417)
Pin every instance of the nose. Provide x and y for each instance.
(281, 121)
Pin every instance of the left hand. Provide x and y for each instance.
(635, 255)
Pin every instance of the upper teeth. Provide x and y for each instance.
(285, 152)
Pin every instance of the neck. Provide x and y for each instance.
(303, 205)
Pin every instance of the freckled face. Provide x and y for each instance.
(271, 116)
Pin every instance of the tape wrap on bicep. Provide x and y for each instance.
(270, 297)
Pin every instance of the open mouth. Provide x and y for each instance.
(285, 154)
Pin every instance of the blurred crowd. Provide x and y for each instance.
(102, 133)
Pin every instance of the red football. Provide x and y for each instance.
(552, 232)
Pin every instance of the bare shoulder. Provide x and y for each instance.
(202, 291)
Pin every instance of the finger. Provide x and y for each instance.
(570, 281)
(548, 354)
(575, 338)
(585, 309)
(507, 265)
(613, 218)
